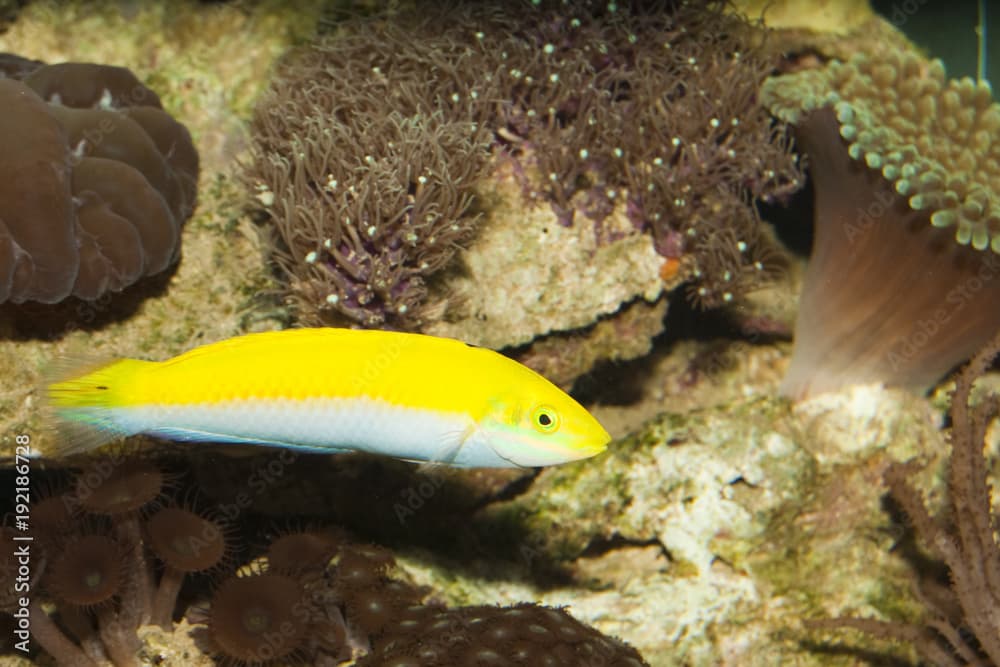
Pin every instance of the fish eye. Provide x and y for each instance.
(545, 419)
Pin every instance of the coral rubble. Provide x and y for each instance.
(904, 271)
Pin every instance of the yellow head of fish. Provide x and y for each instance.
(536, 424)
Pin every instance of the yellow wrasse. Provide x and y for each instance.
(410, 396)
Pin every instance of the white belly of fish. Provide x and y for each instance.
(320, 424)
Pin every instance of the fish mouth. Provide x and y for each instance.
(588, 451)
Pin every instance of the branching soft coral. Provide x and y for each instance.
(962, 624)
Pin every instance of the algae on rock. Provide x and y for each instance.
(526, 275)
(753, 521)
(704, 538)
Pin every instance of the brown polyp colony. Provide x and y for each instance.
(368, 147)
(119, 548)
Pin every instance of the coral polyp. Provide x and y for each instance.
(258, 618)
(88, 571)
(304, 550)
(369, 149)
(186, 543)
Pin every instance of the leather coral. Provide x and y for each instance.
(96, 181)
(905, 272)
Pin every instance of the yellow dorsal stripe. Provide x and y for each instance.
(402, 369)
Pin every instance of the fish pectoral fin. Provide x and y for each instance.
(446, 450)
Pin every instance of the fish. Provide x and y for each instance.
(409, 396)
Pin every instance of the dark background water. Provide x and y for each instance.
(946, 29)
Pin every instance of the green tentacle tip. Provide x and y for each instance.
(848, 132)
(942, 218)
(931, 179)
(980, 238)
(963, 233)
(873, 160)
(904, 187)
(918, 202)
(995, 244)
(890, 172)
(973, 209)
(855, 151)
(845, 114)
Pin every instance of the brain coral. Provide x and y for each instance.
(905, 273)
(96, 181)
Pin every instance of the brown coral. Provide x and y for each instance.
(526, 634)
(89, 152)
(38, 625)
(304, 550)
(186, 542)
(88, 572)
(903, 280)
(259, 618)
(120, 489)
(92, 572)
(648, 111)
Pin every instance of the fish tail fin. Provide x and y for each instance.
(81, 398)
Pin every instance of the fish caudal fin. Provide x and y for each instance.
(84, 402)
